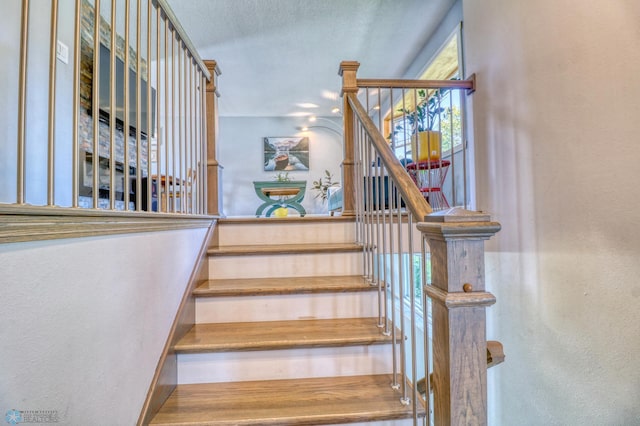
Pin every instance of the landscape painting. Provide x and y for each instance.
(287, 153)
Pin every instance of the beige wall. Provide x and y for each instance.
(557, 120)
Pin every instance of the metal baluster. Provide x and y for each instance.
(358, 188)
(379, 249)
(180, 138)
(95, 111)
(412, 295)
(367, 200)
(426, 314)
(392, 282)
(183, 122)
(112, 115)
(75, 154)
(401, 284)
(463, 137)
(125, 131)
(157, 111)
(385, 238)
(453, 156)
(173, 176)
(203, 142)
(149, 113)
(52, 105)
(22, 104)
(139, 174)
(190, 201)
(165, 193)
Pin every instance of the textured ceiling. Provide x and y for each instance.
(278, 54)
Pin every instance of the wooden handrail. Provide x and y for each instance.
(411, 195)
(175, 23)
(469, 84)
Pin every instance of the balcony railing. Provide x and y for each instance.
(108, 109)
(428, 267)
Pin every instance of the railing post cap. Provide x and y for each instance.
(348, 66)
(456, 215)
(457, 223)
(212, 66)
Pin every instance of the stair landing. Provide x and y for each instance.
(312, 401)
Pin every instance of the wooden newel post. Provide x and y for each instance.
(213, 167)
(348, 70)
(456, 239)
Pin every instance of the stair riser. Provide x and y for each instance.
(285, 265)
(286, 307)
(286, 233)
(284, 364)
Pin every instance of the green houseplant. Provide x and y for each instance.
(281, 211)
(322, 185)
(425, 139)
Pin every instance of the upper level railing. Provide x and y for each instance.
(107, 109)
(428, 267)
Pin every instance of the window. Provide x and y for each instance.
(445, 105)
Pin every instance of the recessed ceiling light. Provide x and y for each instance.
(299, 114)
(305, 128)
(307, 105)
(328, 94)
(312, 118)
(335, 110)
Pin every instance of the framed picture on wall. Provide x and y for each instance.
(287, 153)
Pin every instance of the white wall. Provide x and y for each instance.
(556, 132)
(85, 320)
(241, 155)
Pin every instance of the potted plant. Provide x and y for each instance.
(322, 185)
(425, 139)
(282, 211)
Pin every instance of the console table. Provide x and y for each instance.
(276, 194)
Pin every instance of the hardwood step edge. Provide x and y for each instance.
(283, 286)
(249, 250)
(278, 335)
(278, 345)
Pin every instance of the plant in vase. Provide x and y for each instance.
(282, 211)
(322, 185)
(425, 139)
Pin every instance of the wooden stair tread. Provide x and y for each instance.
(311, 401)
(271, 335)
(284, 249)
(288, 285)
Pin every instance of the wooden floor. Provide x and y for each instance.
(272, 335)
(284, 249)
(292, 285)
(288, 219)
(286, 402)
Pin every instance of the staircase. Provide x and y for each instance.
(286, 332)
